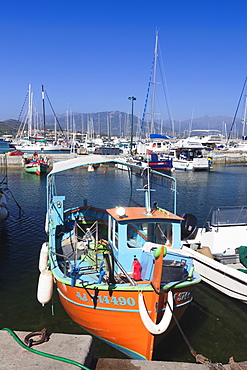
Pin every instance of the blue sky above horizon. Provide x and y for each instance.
(91, 56)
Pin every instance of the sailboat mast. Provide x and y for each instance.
(244, 119)
(43, 103)
(154, 82)
(30, 110)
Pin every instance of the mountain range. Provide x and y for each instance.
(117, 123)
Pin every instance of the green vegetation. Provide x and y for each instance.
(8, 127)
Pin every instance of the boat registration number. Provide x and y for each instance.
(121, 301)
(109, 300)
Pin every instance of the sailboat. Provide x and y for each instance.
(241, 146)
(113, 273)
(152, 154)
(34, 142)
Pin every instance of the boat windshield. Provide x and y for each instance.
(139, 233)
(229, 216)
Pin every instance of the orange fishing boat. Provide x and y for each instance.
(113, 271)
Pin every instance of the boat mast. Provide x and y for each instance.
(234, 118)
(244, 119)
(154, 83)
(30, 110)
(43, 103)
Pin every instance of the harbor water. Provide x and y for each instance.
(215, 325)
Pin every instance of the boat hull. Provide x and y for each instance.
(161, 165)
(113, 315)
(36, 168)
(224, 278)
(38, 148)
(197, 164)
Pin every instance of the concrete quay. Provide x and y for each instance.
(16, 161)
(15, 355)
(226, 157)
(218, 157)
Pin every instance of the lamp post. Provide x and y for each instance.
(132, 98)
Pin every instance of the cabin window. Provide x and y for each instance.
(163, 233)
(137, 234)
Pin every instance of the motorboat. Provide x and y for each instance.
(189, 155)
(219, 249)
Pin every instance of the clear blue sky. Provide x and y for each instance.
(92, 55)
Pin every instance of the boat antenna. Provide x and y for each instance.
(230, 132)
(147, 191)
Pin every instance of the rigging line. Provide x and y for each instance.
(21, 211)
(54, 114)
(146, 100)
(164, 85)
(20, 114)
(3, 180)
(236, 111)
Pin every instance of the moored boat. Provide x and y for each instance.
(113, 273)
(36, 164)
(188, 155)
(219, 250)
(152, 161)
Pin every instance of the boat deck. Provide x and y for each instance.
(237, 266)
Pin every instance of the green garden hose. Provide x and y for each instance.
(45, 354)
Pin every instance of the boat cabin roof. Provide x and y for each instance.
(140, 213)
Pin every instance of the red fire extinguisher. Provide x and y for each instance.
(136, 269)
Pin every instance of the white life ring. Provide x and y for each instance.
(148, 322)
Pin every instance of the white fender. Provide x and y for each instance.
(45, 287)
(46, 223)
(147, 321)
(43, 257)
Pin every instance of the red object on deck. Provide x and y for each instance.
(136, 269)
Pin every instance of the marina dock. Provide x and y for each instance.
(218, 157)
(76, 349)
